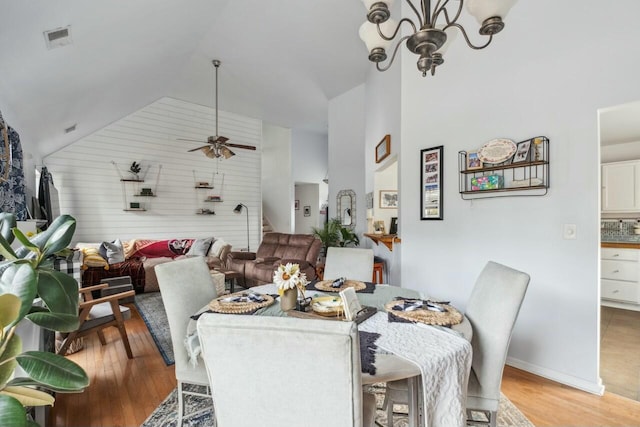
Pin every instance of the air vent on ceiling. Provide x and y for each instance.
(58, 37)
(70, 128)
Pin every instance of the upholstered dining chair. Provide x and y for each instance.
(282, 371)
(98, 314)
(185, 286)
(351, 263)
(492, 310)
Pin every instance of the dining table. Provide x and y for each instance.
(436, 360)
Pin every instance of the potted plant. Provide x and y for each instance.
(335, 234)
(30, 288)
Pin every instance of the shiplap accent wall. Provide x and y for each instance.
(90, 188)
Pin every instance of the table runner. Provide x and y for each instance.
(444, 360)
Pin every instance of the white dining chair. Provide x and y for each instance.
(492, 310)
(350, 263)
(282, 371)
(185, 286)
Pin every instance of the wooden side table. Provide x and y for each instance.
(230, 276)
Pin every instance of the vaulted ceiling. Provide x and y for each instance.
(282, 60)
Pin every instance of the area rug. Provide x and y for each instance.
(165, 415)
(152, 311)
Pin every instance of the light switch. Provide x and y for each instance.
(569, 231)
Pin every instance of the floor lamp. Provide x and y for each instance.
(237, 210)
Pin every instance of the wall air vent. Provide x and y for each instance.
(58, 37)
(70, 129)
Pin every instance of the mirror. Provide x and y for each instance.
(346, 208)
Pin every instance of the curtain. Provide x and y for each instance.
(12, 191)
(44, 195)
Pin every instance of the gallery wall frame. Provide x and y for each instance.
(383, 149)
(431, 183)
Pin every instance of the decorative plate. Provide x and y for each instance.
(497, 150)
(239, 302)
(327, 306)
(449, 317)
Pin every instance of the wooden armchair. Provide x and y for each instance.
(99, 313)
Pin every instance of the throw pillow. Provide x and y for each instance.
(217, 247)
(200, 247)
(92, 258)
(112, 251)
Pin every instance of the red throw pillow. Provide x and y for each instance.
(162, 248)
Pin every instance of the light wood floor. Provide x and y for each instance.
(620, 351)
(124, 392)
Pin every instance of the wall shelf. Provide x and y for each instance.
(135, 210)
(386, 239)
(525, 178)
(131, 188)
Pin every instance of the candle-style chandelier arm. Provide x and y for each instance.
(443, 9)
(395, 51)
(421, 18)
(466, 37)
(395, 33)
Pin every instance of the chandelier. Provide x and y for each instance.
(433, 29)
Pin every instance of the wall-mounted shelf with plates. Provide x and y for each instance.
(503, 168)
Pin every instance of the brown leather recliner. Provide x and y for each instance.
(276, 248)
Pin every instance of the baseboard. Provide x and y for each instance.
(571, 381)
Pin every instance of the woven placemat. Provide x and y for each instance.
(325, 285)
(228, 307)
(442, 318)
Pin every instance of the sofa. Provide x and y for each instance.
(138, 257)
(256, 268)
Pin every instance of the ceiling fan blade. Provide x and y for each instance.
(199, 148)
(246, 147)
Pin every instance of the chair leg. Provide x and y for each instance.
(66, 343)
(180, 404)
(101, 337)
(125, 340)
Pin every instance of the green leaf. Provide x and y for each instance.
(24, 381)
(59, 291)
(60, 238)
(52, 370)
(12, 413)
(42, 239)
(20, 280)
(5, 249)
(55, 321)
(7, 222)
(28, 396)
(13, 348)
(9, 309)
(24, 240)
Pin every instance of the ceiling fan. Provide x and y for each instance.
(217, 146)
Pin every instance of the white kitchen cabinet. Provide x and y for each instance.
(620, 275)
(621, 186)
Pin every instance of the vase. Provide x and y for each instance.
(288, 299)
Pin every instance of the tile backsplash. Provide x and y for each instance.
(617, 228)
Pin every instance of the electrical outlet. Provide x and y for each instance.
(569, 231)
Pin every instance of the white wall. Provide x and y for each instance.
(91, 191)
(529, 82)
(309, 152)
(307, 195)
(346, 145)
(277, 182)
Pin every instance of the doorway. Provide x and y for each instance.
(620, 248)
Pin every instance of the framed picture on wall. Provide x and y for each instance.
(388, 199)
(431, 183)
(307, 211)
(383, 149)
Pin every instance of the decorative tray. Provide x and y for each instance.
(240, 302)
(497, 150)
(326, 285)
(429, 312)
(327, 306)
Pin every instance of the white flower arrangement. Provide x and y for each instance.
(289, 276)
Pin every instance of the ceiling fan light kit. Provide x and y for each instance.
(217, 146)
(432, 31)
